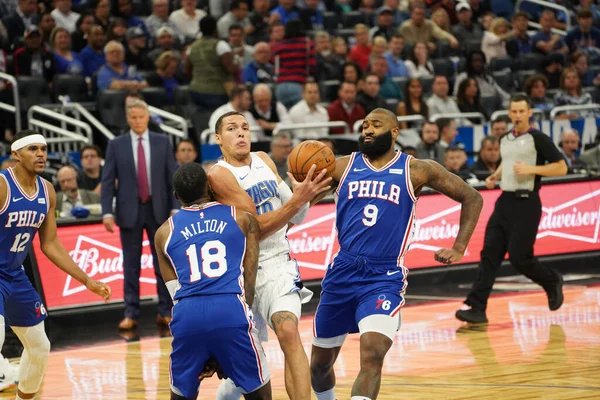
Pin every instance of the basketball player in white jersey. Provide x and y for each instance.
(250, 182)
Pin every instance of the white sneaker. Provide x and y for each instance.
(9, 374)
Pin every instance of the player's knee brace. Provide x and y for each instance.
(36, 350)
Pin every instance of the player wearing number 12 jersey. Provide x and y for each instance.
(27, 205)
(363, 288)
(208, 255)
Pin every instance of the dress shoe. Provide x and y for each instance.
(127, 323)
(163, 320)
(555, 294)
(472, 316)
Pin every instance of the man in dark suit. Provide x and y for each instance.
(21, 19)
(139, 167)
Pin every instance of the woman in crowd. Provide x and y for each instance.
(353, 73)
(117, 29)
(536, 87)
(441, 18)
(67, 61)
(468, 99)
(418, 65)
(579, 61)
(493, 43)
(102, 13)
(414, 104)
(82, 28)
(476, 69)
(572, 94)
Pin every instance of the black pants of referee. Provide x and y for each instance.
(512, 228)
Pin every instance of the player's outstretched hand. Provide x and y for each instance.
(99, 288)
(311, 186)
(448, 256)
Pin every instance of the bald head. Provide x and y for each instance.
(261, 95)
(262, 53)
(389, 118)
(67, 179)
(569, 142)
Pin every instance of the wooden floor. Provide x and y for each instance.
(526, 352)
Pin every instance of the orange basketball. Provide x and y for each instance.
(307, 153)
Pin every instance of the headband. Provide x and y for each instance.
(26, 141)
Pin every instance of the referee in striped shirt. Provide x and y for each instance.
(527, 155)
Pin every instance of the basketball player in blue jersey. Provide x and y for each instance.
(208, 257)
(27, 205)
(249, 181)
(363, 288)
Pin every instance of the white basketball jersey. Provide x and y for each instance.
(259, 181)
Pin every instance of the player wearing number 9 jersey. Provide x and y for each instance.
(363, 288)
(208, 255)
(27, 205)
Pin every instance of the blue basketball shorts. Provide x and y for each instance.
(20, 304)
(220, 326)
(356, 287)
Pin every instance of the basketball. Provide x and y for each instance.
(307, 153)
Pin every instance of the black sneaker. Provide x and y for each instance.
(472, 316)
(555, 294)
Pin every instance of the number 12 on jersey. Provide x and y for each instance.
(212, 252)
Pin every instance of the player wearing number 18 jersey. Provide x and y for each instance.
(208, 255)
(363, 288)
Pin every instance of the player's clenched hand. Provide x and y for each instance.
(448, 256)
(99, 288)
(311, 186)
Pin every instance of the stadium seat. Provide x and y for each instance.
(462, 65)
(70, 85)
(528, 61)
(9, 63)
(111, 109)
(522, 77)
(427, 84)
(331, 21)
(473, 44)
(328, 90)
(443, 50)
(184, 105)
(501, 63)
(352, 18)
(33, 90)
(157, 97)
(145, 74)
(490, 104)
(402, 82)
(443, 66)
(345, 34)
(392, 104)
(504, 79)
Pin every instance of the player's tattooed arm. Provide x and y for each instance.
(251, 257)
(431, 174)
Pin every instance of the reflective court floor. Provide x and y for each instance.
(526, 352)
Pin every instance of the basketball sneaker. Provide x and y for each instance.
(555, 294)
(9, 374)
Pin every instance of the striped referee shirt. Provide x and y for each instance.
(533, 148)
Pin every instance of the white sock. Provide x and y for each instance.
(326, 395)
(359, 398)
(228, 391)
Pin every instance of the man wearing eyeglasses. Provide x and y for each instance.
(70, 195)
(90, 174)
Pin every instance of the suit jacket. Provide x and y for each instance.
(337, 113)
(15, 27)
(22, 63)
(119, 165)
(87, 197)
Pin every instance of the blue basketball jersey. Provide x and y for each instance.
(376, 208)
(20, 219)
(206, 247)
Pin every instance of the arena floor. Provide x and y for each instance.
(526, 352)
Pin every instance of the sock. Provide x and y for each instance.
(359, 398)
(228, 391)
(326, 395)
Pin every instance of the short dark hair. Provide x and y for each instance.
(24, 133)
(235, 4)
(91, 147)
(236, 27)
(443, 123)
(515, 98)
(585, 14)
(294, 28)
(190, 182)
(520, 14)
(451, 149)
(532, 80)
(222, 117)
(237, 91)
(189, 141)
(208, 26)
(489, 139)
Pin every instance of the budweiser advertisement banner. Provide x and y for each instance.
(570, 224)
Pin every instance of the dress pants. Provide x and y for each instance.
(131, 241)
(512, 228)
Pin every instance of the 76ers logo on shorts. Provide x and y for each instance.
(39, 309)
(382, 303)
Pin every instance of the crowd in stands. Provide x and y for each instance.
(296, 61)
